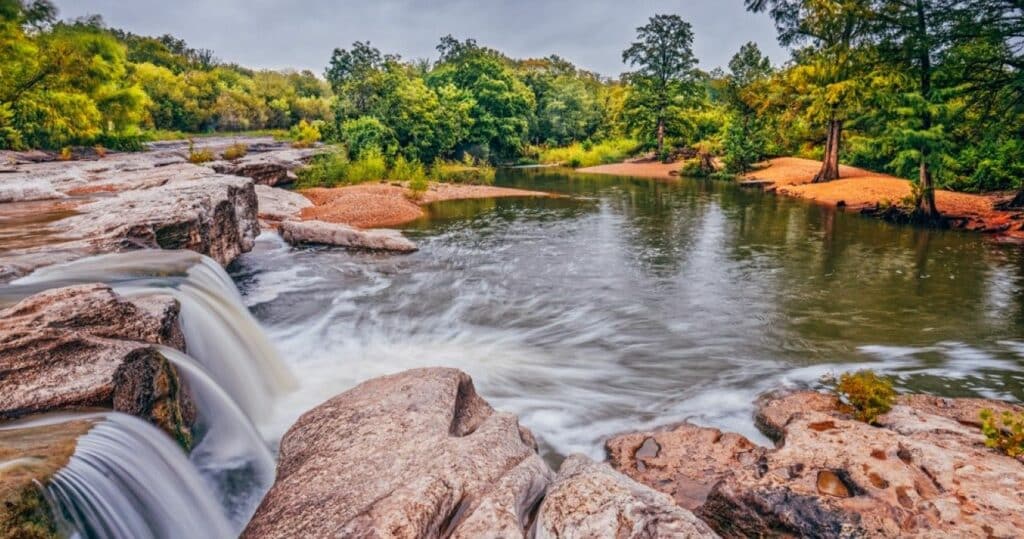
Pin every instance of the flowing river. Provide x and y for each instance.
(634, 303)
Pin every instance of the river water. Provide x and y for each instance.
(632, 303)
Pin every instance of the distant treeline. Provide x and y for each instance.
(902, 86)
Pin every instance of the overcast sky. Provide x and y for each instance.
(301, 34)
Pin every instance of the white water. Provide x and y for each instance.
(219, 331)
(230, 454)
(129, 480)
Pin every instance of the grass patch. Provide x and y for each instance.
(235, 151)
(465, 171)
(587, 154)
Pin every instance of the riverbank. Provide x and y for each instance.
(376, 205)
(856, 189)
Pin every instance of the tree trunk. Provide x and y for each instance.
(926, 195)
(830, 164)
(661, 137)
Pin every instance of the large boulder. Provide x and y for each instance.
(336, 234)
(85, 347)
(922, 471)
(416, 454)
(590, 500)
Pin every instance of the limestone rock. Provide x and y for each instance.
(320, 232)
(416, 454)
(590, 500)
(916, 474)
(271, 168)
(85, 346)
(279, 204)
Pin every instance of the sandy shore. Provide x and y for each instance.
(376, 205)
(637, 169)
(856, 189)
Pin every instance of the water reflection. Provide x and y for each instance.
(633, 303)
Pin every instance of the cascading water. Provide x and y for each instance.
(219, 331)
(230, 454)
(127, 479)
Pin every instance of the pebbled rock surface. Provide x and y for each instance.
(320, 232)
(922, 472)
(590, 500)
(152, 199)
(278, 205)
(85, 346)
(416, 454)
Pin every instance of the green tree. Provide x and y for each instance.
(743, 91)
(830, 73)
(665, 75)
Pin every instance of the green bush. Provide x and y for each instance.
(369, 167)
(589, 154)
(465, 171)
(325, 170)
(304, 134)
(692, 169)
(867, 394)
(1005, 434)
(407, 170)
(367, 133)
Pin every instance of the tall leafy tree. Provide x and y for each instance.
(665, 71)
(749, 69)
(830, 71)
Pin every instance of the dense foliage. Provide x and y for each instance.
(867, 394)
(931, 90)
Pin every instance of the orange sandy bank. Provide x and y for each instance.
(637, 169)
(374, 205)
(861, 189)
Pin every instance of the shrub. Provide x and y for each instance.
(370, 166)
(65, 154)
(868, 394)
(692, 168)
(419, 186)
(200, 156)
(366, 133)
(406, 170)
(101, 152)
(304, 134)
(1005, 434)
(237, 150)
(325, 170)
(589, 154)
(465, 171)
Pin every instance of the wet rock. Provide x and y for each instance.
(279, 204)
(29, 457)
(917, 473)
(416, 454)
(85, 346)
(320, 232)
(273, 168)
(589, 500)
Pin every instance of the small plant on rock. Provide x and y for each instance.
(100, 150)
(1004, 432)
(867, 394)
(237, 150)
(200, 156)
(65, 154)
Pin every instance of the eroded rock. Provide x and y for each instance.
(917, 473)
(324, 233)
(280, 204)
(590, 500)
(269, 168)
(416, 454)
(85, 346)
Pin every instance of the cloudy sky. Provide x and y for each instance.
(302, 34)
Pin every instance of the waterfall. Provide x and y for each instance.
(127, 479)
(230, 453)
(219, 331)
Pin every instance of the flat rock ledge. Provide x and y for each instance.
(323, 233)
(923, 471)
(86, 347)
(421, 455)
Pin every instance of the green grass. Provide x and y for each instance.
(156, 135)
(465, 171)
(579, 155)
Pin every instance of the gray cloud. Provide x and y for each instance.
(280, 34)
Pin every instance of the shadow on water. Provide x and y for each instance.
(631, 303)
